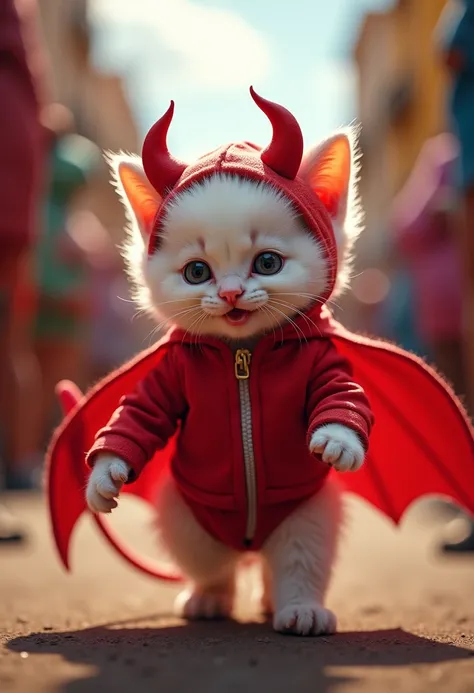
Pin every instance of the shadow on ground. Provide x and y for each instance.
(225, 657)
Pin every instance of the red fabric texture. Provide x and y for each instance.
(421, 443)
(243, 160)
(293, 390)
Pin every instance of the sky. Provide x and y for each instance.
(204, 54)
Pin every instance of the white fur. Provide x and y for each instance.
(338, 446)
(225, 222)
(298, 558)
(209, 565)
(135, 246)
(224, 211)
(349, 223)
(105, 482)
(300, 554)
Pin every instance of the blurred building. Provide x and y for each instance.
(99, 101)
(401, 95)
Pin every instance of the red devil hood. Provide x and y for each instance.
(243, 159)
(277, 166)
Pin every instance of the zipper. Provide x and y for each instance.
(243, 358)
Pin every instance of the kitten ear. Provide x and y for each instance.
(138, 195)
(331, 169)
(327, 168)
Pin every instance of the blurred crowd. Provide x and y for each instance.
(61, 281)
(59, 270)
(431, 309)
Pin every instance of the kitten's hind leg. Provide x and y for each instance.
(300, 554)
(209, 565)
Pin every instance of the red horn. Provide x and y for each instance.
(162, 170)
(284, 153)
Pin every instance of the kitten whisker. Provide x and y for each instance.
(354, 276)
(162, 324)
(305, 317)
(265, 310)
(197, 320)
(296, 327)
(180, 300)
(138, 311)
(163, 303)
(301, 294)
(280, 325)
(198, 332)
(329, 300)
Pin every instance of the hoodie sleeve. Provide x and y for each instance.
(333, 396)
(145, 419)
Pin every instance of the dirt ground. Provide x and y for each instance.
(406, 618)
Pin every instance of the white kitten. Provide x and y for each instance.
(226, 222)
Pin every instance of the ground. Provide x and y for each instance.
(406, 617)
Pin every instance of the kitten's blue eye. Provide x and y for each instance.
(197, 272)
(267, 263)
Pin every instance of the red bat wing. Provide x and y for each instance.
(66, 470)
(422, 442)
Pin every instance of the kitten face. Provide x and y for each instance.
(235, 261)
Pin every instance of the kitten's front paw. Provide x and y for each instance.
(107, 478)
(201, 604)
(305, 619)
(338, 446)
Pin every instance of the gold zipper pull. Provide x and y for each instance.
(242, 364)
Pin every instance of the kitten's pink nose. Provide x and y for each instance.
(230, 289)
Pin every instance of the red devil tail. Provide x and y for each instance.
(70, 396)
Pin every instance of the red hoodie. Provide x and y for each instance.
(241, 459)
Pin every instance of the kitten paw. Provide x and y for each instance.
(339, 446)
(200, 604)
(107, 478)
(305, 619)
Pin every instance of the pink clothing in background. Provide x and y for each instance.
(427, 241)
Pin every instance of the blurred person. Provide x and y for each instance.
(61, 327)
(424, 236)
(23, 88)
(425, 230)
(457, 36)
(457, 27)
(396, 317)
(116, 333)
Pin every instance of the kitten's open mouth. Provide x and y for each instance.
(237, 316)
